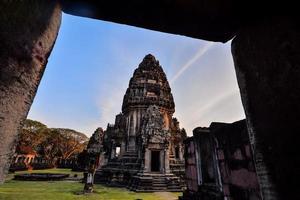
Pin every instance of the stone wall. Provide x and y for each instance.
(219, 163)
(28, 31)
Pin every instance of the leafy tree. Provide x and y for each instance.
(72, 142)
(50, 147)
(51, 143)
(32, 134)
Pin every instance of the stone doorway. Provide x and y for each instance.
(155, 161)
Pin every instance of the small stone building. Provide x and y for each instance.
(144, 148)
(219, 164)
(24, 154)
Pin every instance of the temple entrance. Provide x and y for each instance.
(155, 161)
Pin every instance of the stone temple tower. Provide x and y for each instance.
(148, 86)
(144, 148)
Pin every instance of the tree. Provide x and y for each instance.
(32, 134)
(62, 144)
(50, 147)
(72, 142)
(51, 143)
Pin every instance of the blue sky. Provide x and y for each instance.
(92, 61)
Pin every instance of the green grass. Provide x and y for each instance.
(67, 190)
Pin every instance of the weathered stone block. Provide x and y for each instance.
(27, 34)
(267, 62)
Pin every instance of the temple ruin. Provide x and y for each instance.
(144, 148)
(219, 163)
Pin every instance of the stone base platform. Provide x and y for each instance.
(154, 182)
(126, 172)
(119, 172)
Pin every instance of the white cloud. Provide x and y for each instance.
(109, 104)
(225, 107)
(201, 51)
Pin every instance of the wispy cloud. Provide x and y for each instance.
(109, 105)
(190, 62)
(219, 106)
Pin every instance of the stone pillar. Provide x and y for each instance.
(267, 62)
(123, 148)
(166, 161)
(131, 143)
(181, 149)
(132, 137)
(27, 34)
(88, 187)
(147, 160)
(113, 150)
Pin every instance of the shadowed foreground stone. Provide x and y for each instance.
(206, 19)
(267, 62)
(214, 20)
(28, 30)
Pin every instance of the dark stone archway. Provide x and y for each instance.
(155, 161)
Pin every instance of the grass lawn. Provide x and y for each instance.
(65, 190)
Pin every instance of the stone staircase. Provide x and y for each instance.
(159, 184)
(155, 182)
(126, 171)
(114, 171)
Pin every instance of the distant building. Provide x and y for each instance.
(144, 148)
(25, 158)
(219, 164)
(24, 154)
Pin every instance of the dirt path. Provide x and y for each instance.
(166, 195)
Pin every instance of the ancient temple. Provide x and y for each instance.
(144, 148)
(219, 164)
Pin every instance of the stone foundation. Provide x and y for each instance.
(153, 182)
